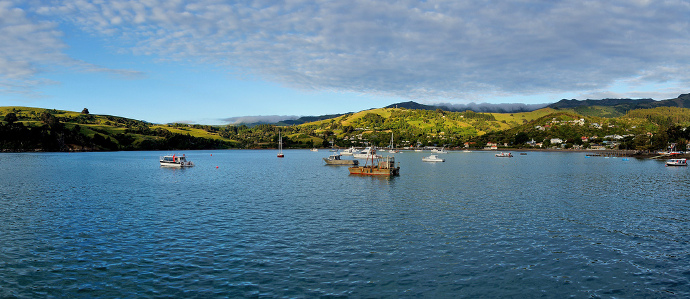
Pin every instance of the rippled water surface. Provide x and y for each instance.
(244, 223)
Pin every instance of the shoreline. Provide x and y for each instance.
(611, 153)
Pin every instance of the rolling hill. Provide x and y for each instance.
(38, 129)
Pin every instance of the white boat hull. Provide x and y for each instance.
(176, 164)
(433, 158)
(348, 152)
(677, 162)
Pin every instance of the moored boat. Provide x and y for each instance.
(280, 146)
(348, 152)
(677, 162)
(507, 155)
(336, 160)
(384, 166)
(433, 158)
(392, 149)
(439, 151)
(367, 154)
(175, 161)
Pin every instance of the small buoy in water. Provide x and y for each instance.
(211, 155)
(216, 166)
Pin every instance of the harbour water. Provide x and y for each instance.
(243, 223)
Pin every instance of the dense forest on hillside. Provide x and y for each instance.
(36, 129)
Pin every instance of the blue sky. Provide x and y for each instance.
(213, 62)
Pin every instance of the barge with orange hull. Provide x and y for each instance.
(384, 166)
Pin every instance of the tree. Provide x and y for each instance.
(85, 111)
(52, 121)
(521, 138)
(10, 118)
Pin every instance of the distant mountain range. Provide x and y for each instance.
(483, 107)
(616, 107)
(682, 101)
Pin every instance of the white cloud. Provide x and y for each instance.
(23, 46)
(29, 47)
(424, 50)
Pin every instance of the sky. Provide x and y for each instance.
(214, 62)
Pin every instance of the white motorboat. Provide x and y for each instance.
(367, 153)
(439, 151)
(433, 158)
(348, 152)
(677, 162)
(505, 155)
(175, 161)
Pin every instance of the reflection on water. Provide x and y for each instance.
(244, 223)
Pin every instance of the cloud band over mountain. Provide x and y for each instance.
(269, 119)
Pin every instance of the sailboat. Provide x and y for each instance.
(392, 150)
(280, 145)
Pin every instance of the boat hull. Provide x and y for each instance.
(677, 162)
(373, 170)
(176, 164)
(433, 160)
(340, 162)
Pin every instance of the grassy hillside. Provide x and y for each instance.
(28, 129)
(59, 130)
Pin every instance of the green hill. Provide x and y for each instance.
(37, 129)
(59, 130)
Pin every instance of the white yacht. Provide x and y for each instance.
(367, 153)
(348, 152)
(392, 149)
(439, 151)
(433, 158)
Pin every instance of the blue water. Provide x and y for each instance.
(244, 223)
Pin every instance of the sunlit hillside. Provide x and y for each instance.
(29, 129)
(50, 129)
